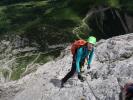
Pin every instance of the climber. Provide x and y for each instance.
(82, 53)
(128, 91)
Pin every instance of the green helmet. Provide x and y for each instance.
(92, 40)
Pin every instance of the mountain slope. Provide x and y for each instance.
(112, 68)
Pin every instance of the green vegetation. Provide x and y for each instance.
(20, 16)
(8, 2)
(5, 73)
(39, 20)
(21, 63)
(50, 22)
(47, 57)
(20, 66)
(53, 19)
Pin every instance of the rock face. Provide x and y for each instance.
(11, 48)
(112, 67)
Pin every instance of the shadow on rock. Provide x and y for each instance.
(56, 82)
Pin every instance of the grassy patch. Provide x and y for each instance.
(20, 66)
(21, 63)
(5, 73)
(47, 57)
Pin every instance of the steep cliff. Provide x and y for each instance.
(112, 68)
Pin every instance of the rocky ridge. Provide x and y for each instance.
(111, 68)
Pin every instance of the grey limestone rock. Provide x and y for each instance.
(112, 67)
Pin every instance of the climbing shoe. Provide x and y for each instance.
(81, 78)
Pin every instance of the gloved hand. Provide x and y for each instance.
(82, 70)
(88, 67)
(81, 78)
